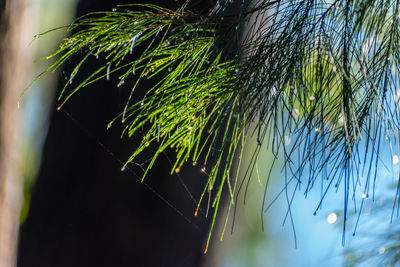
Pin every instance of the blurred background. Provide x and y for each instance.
(64, 200)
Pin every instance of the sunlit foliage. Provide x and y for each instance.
(323, 74)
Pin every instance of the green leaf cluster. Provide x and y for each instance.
(325, 73)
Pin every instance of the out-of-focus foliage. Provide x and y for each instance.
(377, 242)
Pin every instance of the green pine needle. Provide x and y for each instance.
(325, 73)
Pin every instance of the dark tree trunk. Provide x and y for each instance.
(86, 212)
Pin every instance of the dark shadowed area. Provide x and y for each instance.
(86, 212)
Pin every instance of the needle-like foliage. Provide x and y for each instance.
(323, 73)
(379, 245)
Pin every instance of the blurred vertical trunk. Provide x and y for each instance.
(15, 64)
(242, 234)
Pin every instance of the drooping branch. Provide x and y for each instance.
(323, 73)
